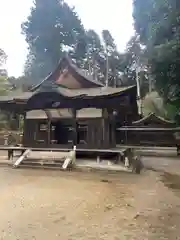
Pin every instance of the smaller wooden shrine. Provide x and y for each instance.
(151, 130)
(152, 120)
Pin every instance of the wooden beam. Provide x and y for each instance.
(21, 158)
(70, 159)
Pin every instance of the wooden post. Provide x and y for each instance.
(98, 159)
(48, 126)
(105, 128)
(70, 159)
(24, 129)
(112, 119)
(21, 158)
(74, 126)
(6, 140)
(49, 131)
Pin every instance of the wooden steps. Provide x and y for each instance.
(41, 164)
(63, 160)
(46, 159)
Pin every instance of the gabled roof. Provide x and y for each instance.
(84, 76)
(81, 76)
(153, 118)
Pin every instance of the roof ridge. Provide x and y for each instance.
(73, 66)
(156, 116)
(83, 73)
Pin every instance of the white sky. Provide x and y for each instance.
(115, 15)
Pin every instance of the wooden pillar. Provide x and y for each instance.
(49, 131)
(109, 128)
(105, 128)
(24, 128)
(74, 123)
(112, 118)
(48, 127)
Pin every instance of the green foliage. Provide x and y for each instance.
(3, 57)
(20, 83)
(158, 24)
(4, 86)
(95, 56)
(135, 58)
(5, 89)
(51, 26)
(114, 59)
(153, 103)
(108, 41)
(156, 20)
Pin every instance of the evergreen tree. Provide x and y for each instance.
(113, 68)
(51, 27)
(95, 56)
(3, 57)
(157, 22)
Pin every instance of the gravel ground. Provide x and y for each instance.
(44, 204)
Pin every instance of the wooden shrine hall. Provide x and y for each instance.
(70, 108)
(150, 130)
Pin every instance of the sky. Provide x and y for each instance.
(115, 15)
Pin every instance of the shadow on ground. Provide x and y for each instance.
(171, 180)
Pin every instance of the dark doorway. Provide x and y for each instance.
(61, 133)
(82, 132)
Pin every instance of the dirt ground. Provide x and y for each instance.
(48, 205)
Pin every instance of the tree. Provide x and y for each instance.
(102, 58)
(20, 83)
(4, 86)
(113, 60)
(3, 57)
(95, 56)
(135, 65)
(51, 27)
(157, 23)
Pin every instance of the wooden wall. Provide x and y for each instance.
(100, 134)
(146, 138)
